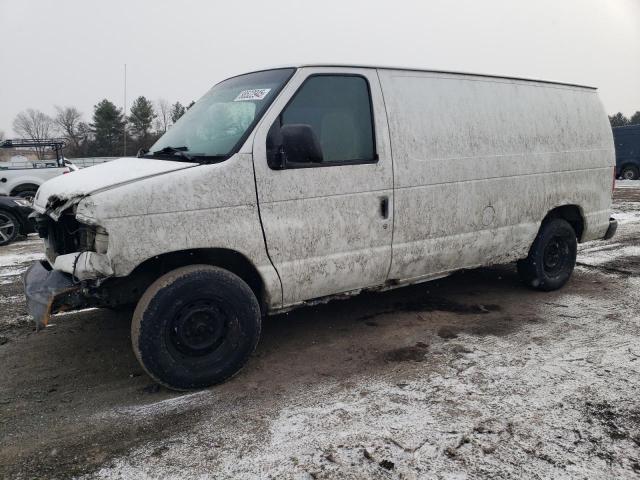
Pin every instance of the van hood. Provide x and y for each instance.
(59, 193)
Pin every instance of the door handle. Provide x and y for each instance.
(384, 207)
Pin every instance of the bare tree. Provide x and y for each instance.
(164, 114)
(66, 121)
(1, 135)
(34, 125)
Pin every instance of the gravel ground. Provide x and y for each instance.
(470, 376)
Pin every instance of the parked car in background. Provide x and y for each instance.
(21, 176)
(627, 143)
(292, 186)
(14, 218)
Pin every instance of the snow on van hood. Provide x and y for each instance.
(59, 193)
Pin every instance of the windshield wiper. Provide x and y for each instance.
(171, 152)
(175, 152)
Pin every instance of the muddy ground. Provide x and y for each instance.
(470, 376)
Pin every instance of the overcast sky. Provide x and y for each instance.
(72, 52)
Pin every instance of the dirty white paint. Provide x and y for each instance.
(323, 226)
(464, 143)
(68, 190)
(470, 166)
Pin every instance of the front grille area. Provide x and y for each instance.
(66, 235)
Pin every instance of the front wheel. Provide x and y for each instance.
(551, 258)
(195, 326)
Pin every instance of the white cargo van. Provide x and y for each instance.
(294, 185)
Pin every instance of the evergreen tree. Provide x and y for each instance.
(635, 118)
(107, 129)
(141, 121)
(618, 120)
(177, 110)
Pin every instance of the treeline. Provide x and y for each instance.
(619, 120)
(104, 135)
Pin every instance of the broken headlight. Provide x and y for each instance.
(92, 237)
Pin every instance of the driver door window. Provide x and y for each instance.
(338, 110)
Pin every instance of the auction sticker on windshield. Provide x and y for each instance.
(253, 94)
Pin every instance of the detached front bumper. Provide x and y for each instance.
(611, 231)
(48, 291)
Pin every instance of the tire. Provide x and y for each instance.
(9, 227)
(27, 194)
(630, 172)
(195, 326)
(552, 256)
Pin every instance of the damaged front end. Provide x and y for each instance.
(49, 291)
(76, 263)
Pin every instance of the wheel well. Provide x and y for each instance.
(129, 289)
(23, 187)
(570, 213)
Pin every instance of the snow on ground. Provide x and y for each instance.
(627, 217)
(491, 407)
(607, 253)
(19, 258)
(20, 252)
(16, 258)
(627, 183)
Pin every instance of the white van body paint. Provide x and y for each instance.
(479, 161)
(470, 166)
(323, 226)
(152, 207)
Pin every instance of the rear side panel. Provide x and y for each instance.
(479, 162)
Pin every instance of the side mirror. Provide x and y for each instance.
(274, 147)
(300, 144)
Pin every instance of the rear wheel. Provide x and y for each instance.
(8, 227)
(630, 172)
(195, 326)
(552, 256)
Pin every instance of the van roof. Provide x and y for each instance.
(453, 72)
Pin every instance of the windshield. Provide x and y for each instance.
(222, 118)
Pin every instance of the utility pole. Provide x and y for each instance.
(124, 134)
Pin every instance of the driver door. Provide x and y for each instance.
(328, 224)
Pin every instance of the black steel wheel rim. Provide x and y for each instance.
(198, 328)
(555, 255)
